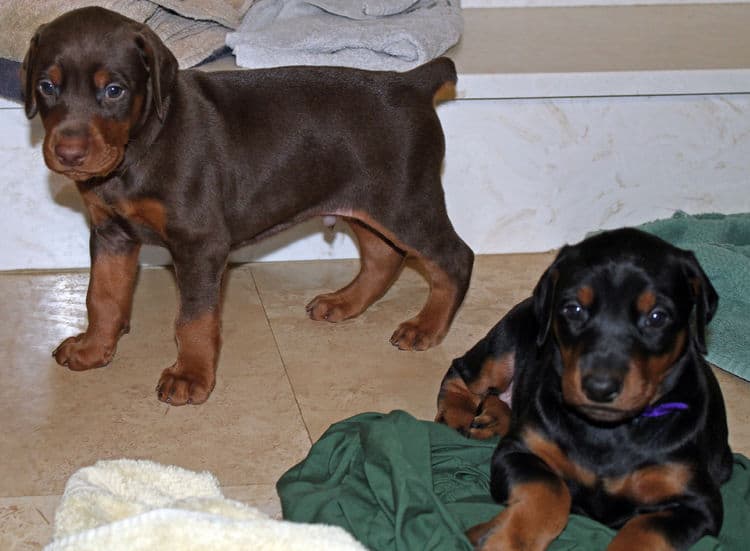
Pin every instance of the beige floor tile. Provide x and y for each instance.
(57, 421)
(338, 370)
(736, 393)
(26, 522)
(281, 378)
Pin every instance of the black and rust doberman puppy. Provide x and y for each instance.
(615, 413)
(204, 162)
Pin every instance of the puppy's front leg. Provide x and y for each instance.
(537, 503)
(191, 378)
(114, 267)
(676, 527)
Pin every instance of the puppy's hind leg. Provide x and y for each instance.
(447, 262)
(380, 264)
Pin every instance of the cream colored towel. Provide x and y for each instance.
(134, 505)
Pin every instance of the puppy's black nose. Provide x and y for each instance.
(71, 151)
(601, 388)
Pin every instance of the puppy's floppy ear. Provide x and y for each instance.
(704, 297)
(161, 64)
(27, 76)
(544, 298)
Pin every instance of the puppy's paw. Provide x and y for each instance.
(179, 386)
(458, 419)
(415, 334)
(83, 352)
(331, 307)
(492, 418)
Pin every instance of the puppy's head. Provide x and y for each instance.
(94, 77)
(619, 307)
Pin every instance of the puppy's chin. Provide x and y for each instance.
(604, 415)
(95, 168)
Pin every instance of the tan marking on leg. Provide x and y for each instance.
(495, 373)
(457, 405)
(445, 93)
(108, 302)
(638, 533)
(429, 327)
(193, 376)
(380, 264)
(535, 515)
(492, 419)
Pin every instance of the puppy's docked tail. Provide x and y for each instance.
(436, 78)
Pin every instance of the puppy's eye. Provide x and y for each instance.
(573, 311)
(47, 87)
(657, 318)
(113, 91)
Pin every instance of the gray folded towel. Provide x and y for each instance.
(369, 34)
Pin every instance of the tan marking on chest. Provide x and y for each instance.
(651, 484)
(145, 212)
(98, 210)
(556, 459)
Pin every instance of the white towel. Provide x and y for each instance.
(133, 505)
(368, 34)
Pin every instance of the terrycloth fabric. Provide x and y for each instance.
(193, 29)
(368, 34)
(397, 483)
(131, 505)
(722, 245)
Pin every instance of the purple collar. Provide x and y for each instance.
(663, 409)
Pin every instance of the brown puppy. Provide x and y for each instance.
(201, 163)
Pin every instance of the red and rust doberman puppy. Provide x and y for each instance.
(201, 163)
(615, 413)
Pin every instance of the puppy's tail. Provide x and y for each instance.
(436, 78)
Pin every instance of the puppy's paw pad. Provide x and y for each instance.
(412, 335)
(178, 389)
(81, 352)
(329, 308)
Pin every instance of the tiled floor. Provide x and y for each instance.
(282, 380)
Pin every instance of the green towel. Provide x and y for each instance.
(722, 245)
(398, 483)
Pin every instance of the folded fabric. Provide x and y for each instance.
(133, 505)
(369, 34)
(398, 483)
(192, 29)
(722, 245)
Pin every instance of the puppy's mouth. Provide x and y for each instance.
(603, 414)
(98, 166)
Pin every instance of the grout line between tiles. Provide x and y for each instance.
(281, 356)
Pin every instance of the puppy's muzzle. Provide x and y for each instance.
(601, 387)
(71, 146)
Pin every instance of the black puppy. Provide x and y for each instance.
(201, 163)
(615, 413)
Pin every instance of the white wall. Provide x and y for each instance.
(520, 175)
(548, 3)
